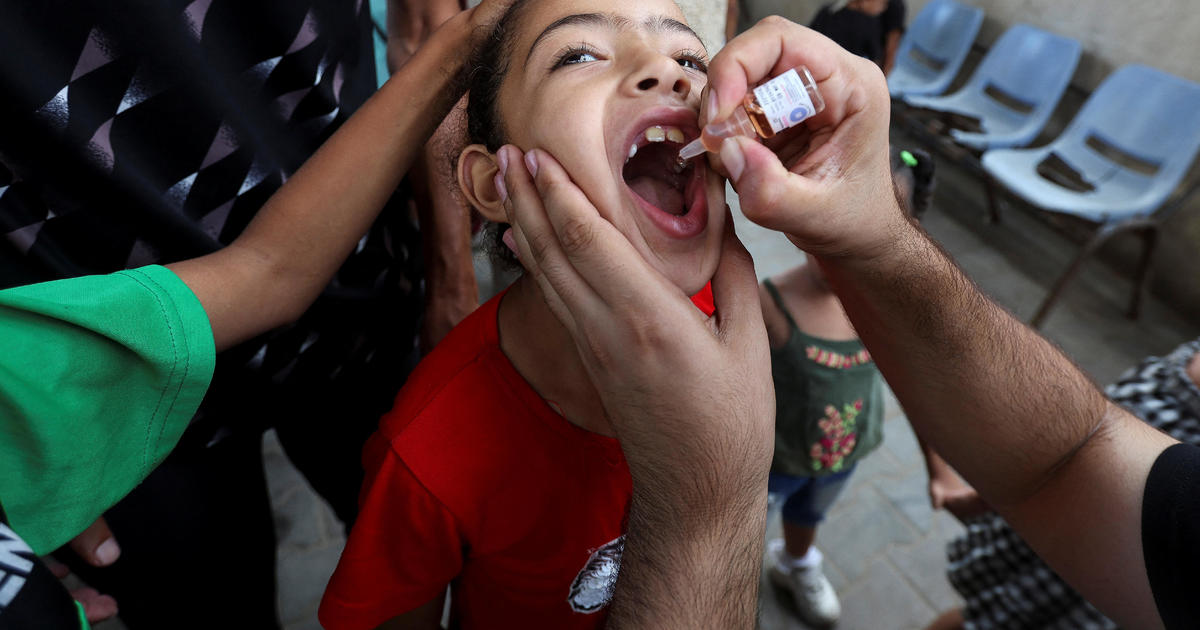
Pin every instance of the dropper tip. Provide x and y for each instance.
(691, 150)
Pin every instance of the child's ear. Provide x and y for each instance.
(476, 178)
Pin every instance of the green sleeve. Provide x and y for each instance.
(99, 376)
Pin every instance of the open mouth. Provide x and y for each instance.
(654, 173)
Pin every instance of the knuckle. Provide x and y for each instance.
(648, 335)
(762, 201)
(540, 246)
(551, 187)
(599, 350)
(773, 21)
(576, 234)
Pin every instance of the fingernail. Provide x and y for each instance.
(713, 109)
(108, 552)
(509, 240)
(531, 163)
(732, 158)
(502, 160)
(501, 189)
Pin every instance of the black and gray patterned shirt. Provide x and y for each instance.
(137, 132)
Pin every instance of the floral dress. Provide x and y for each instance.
(828, 402)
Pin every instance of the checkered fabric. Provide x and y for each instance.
(1005, 584)
(136, 132)
(1160, 392)
(1008, 587)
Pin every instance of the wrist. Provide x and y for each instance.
(705, 570)
(451, 38)
(892, 249)
(699, 499)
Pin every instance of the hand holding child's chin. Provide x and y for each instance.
(690, 397)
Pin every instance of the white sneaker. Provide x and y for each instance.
(816, 601)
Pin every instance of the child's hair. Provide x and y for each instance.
(916, 166)
(485, 72)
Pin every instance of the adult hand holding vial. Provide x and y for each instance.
(785, 101)
(824, 181)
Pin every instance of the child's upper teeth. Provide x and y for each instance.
(658, 133)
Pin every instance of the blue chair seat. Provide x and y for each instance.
(1014, 91)
(1118, 193)
(1002, 126)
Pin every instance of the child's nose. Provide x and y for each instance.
(663, 73)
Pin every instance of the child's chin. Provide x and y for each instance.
(691, 284)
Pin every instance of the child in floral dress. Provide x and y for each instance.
(829, 406)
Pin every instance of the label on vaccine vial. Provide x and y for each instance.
(784, 100)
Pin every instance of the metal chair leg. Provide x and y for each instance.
(989, 184)
(1098, 238)
(1149, 239)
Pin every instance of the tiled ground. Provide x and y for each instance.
(884, 547)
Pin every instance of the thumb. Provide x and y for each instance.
(770, 195)
(97, 545)
(735, 288)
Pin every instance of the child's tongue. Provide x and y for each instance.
(660, 194)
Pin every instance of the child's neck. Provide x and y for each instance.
(542, 351)
(814, 282)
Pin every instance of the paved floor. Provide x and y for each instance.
(884, 547)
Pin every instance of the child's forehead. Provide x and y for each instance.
(550, 8)
(544, 17)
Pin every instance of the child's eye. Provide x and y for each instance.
(693, 61)
(576, 55)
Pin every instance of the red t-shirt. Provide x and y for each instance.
(474, 481)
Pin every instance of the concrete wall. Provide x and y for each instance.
(1161, 33)
(799, 11)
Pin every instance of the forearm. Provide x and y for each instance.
(693, 550)
(288, 253)
(997, 401)
(1012, 414)
(411, 22)
(889, 53)
(451, 292)
(446, 247)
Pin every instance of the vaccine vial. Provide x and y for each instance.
(782, 102)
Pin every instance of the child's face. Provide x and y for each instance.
(588, 80)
